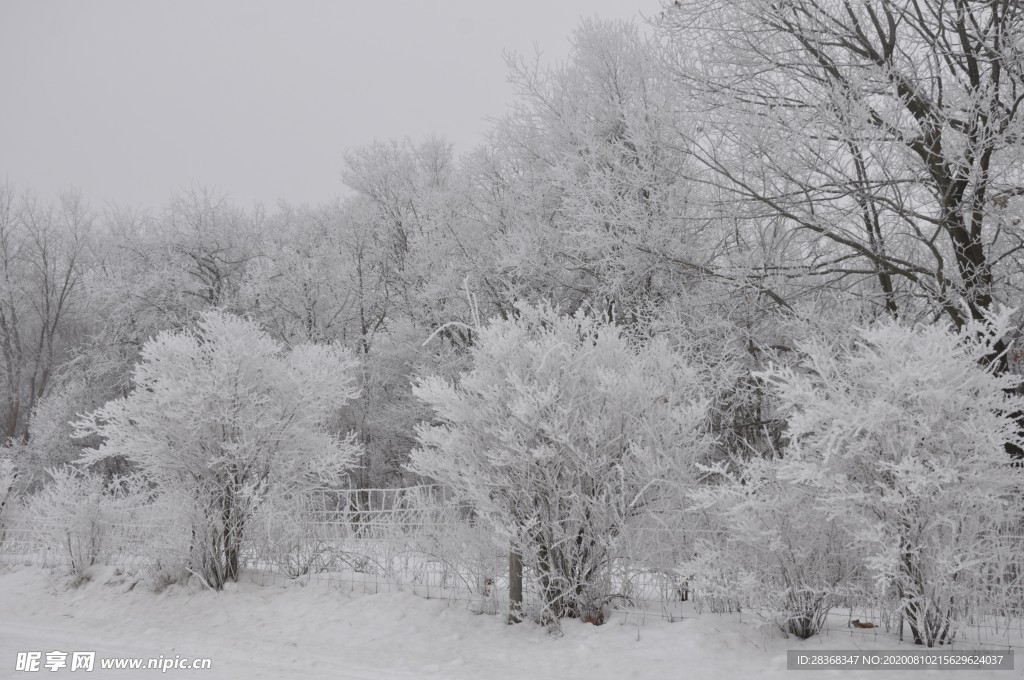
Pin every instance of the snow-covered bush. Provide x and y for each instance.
(161, 537)
(560, 433)
(287, 537)
(716, 579)
(783, 555)
(73, 509)
(902, 434)
(223, 415)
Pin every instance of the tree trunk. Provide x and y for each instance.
(515, 586)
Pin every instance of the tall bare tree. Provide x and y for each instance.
(41, 263)
(881, 140)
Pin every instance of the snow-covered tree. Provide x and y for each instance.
(386, 413)
(583, 177)
(560, 433)
(43, 246)
(225, 415)
(884, 136)
(323, 278)
(903, 433)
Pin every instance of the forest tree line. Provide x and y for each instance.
(770, 190)
(731, 176)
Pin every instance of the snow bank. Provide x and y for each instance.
(315, 631)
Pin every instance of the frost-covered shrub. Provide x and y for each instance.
(461, 546)
(715, 579)
(163, 544)
(73, 509)
(224, 416)
(285, 535)
(92, 520)
(903, 434)
(782, 555)
(562, 431)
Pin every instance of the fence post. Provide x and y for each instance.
(515, 586)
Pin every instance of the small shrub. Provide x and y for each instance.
(73, 509)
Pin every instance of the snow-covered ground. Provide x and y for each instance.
(314, 631)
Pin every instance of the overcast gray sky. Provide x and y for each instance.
(129, 99)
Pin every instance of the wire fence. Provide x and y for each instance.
(419, 539)
(423, 540)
